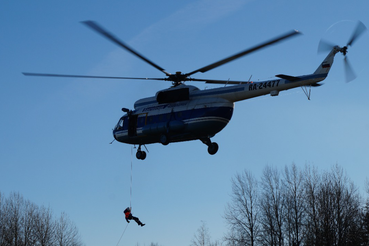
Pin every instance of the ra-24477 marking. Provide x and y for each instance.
(259, 86)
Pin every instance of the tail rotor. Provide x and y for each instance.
(325, 46)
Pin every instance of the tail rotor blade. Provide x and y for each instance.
(360, 28)
(349, 72)
(325, 46)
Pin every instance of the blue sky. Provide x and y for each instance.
(55, 132)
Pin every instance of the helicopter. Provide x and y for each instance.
(185, 112)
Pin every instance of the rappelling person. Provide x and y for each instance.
(129, 217)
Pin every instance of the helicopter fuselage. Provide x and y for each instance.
(174, 120)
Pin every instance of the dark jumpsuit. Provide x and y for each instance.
(129, 216)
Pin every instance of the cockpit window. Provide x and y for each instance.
(120, 124)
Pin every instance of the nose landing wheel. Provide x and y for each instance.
(141, 155)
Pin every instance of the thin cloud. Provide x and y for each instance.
(195, 15)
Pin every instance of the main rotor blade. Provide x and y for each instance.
(112, 38)
(360, 28)
(245, 52)
(86, 76)
(223, 82)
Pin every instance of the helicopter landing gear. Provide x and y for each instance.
(141, 155)
(212, 146)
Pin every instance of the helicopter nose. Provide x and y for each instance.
(115, 136)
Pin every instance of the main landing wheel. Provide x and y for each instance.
(141, 155)
(213, 148)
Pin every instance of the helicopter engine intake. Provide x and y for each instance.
(173, 95)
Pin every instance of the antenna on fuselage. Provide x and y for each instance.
(250, 79)
(226, 83)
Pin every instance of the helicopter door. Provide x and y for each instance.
(132, 125)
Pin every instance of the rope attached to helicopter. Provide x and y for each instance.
(122, 234)
(130, 196)
(130, 190)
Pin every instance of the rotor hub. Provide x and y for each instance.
(177, 78)
(344, 50)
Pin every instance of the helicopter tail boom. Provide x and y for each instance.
(327, 63)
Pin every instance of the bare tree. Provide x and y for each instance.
(202, 236)
(346, 206)
(17, 225)
(365, 216)
(13, 219)
(66, 233)
(44, 227)
(334, 212)
(242, 214)
(295, 205)
(302, 208)
(312, 183)
(23, 223)
(272, 208)
(2, 220)
(28, 221)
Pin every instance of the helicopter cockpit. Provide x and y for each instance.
(120, 124)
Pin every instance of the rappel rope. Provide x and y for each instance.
(122, 234)
(130, 197)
